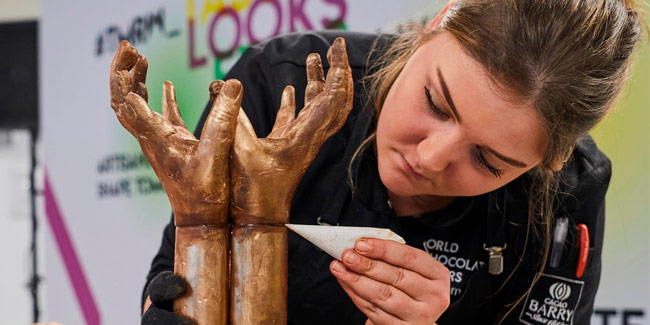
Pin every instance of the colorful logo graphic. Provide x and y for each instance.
(224, 30)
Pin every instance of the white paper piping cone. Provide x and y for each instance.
(335, 239)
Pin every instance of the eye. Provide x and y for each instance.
(433, 106)
(480, 158)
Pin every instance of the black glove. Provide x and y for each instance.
(162, 291)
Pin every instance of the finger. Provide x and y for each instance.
(170, 108)
(402, 255)
(155, 315)
(381, 295)
(245, 129)
(120, 79)
(140, 77)
(411, 283)
(120, 83)
(341, 77)
(317, 119)
(219, 129)
(344, 108)
(125, 57)
(338, 60)
(287, 111)
(215, 88)
(371, 311)
(143, 122)
(337, 54)
(315, 77)
(165, 286)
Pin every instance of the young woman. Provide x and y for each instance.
(468, 137)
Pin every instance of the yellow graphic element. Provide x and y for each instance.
(190, 9)
(214, 6)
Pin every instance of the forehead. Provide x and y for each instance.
(489, 116)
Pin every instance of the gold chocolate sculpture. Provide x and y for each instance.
(258, 187)
(264, 175)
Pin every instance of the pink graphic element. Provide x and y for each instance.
(249, 19)
(225, 12)
(72, 265)
(297, 12)
(195, 62)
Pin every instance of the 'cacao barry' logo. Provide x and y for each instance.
(560, 291)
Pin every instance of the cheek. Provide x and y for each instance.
(403, 120)
(467, 181)
(463, 179)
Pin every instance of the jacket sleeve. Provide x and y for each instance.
(253, 71)
(559, 295)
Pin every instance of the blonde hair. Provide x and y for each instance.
(569, 58)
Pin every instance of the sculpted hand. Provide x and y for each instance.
(393, 283)
(265, 172)
(194, 173)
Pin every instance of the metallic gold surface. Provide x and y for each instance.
(194, 173)
(259, 185)
(259, 275)
(201, 257)
(265, 172)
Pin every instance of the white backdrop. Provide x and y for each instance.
(105, 209)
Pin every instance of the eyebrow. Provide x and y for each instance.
(450, 102)
(445, 92)
(508, 160)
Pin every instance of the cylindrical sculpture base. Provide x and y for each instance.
(201, 257)
(259, 275)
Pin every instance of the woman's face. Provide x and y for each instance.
(445, 130)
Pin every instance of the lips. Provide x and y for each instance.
(408, 169)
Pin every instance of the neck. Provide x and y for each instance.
(418, 204)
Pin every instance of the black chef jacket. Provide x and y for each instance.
(455, 235)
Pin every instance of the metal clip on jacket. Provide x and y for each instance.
(495, 262)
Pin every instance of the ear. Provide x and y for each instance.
(438, 18)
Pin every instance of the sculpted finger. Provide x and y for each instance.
(245, 130)
(125, 57)
(287, 111)
(322, 113)
(411, 283)
(219, 128)
(120, 83)
(402, 255)
(143, 122)
(315, 77)
(170, 108)
(338, 58)
(120, 79)
(337, 54)
(215, 89)
(381, 295)
(140, 78)
(344, 106)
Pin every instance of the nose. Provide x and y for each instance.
(437, 152)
